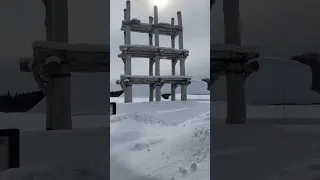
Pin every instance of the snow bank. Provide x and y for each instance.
(170, 140)
(180, 151)
(278, 81)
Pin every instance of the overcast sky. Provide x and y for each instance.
(22, 22)
(281, 28)
(196, 24)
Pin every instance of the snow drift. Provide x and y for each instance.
(181, 151)
(278, 81)
(149, 141)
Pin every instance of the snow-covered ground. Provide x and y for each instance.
(162, 140)
(267, 152)
(170, 141)
(271, 114)
(159, 140)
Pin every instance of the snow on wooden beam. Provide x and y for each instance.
(217, 47)
(233, 52)
(223, 69)
(176, 77)
(152, 48)
(79, 47)
(138, 79)
(146, 51)
(72, 67)
(163, 28)
(77, 57)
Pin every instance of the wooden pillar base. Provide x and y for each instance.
(236, 113)
(59, 103)
(173, 93)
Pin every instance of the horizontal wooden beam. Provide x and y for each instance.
(137, 79)
(77, 68)
(84, 58)
(227, 52)
(247, 68)
(147, 51)
(163, 28)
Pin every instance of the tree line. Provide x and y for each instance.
(20, 102)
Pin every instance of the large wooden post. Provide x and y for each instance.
(128, 88)
(58, 90)
(151, 62)
(173, 66)
(157, 57)
(236, 113)
(184, 95)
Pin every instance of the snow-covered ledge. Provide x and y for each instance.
(80, 57)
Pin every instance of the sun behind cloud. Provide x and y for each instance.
(162, 4)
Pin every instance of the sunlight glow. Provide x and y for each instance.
(162, 4)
